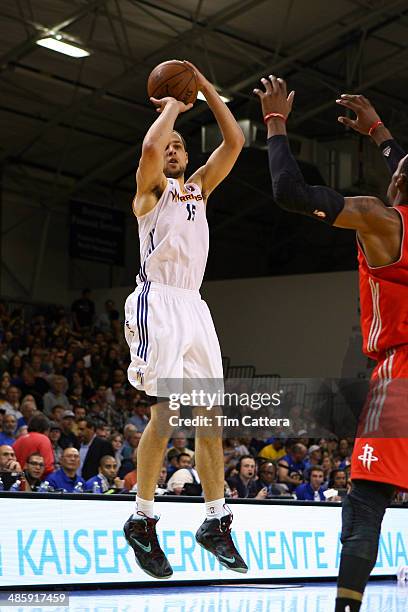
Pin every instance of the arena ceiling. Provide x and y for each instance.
(73, 127)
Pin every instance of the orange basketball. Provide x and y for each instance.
(175, 79)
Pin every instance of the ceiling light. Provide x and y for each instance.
(223, 97)
(56, 44)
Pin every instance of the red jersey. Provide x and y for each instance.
(34, 442)
(384, 299)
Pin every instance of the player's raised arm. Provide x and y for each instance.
(290, 190)
(368, 123)
(222, 160)
(150, 177)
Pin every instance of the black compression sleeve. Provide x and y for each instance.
(290, 190)
(392, 154)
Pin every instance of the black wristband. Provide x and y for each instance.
(392, 153)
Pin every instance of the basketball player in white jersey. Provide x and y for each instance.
(169, 328)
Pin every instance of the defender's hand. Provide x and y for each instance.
(275, 98)
(202, 82)
(161, 104)
(366, 115)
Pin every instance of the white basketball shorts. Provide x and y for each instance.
(171, 335)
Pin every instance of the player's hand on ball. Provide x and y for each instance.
(274, 97)
(161, 104)
(366, 115)
(202, 82)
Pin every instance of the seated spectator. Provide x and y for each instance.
(161, 483)
(36, 365)
(108, 321)
(8, 435)
(29, 384)
(116, 440)
(92, 448)
(33, 472)
(79, 412)
(344, 454)
(56, 395)
(28, 408)
(12, 403)
(244, 482)
(141, 413)
(127, 431)
(172, 461)
(66, 478)
(312, 490)
(10, 469)
(129, 471)
(55, 436)
(179, 442)
(274, 451)
(15, 366)
(230, 451)
(68, 438)
(327, 465)
(338, 480)
(103, 430)
(267, 481)
(4, 362)
(36, 440)
(314, 456)
(178, 480)
(184, 462)
(132, 443)
(293, 461)
(57, 413)
(107, 477)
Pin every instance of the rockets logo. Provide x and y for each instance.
(368, 457)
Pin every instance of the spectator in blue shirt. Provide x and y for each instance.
(141, 412)
(7, 436)
(67, 478)
(294, 461)
(312, 490)
(107, 478)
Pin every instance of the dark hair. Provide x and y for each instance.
(57, 406)
(183, 455)
(316, 468)
(241, 460)
(90, 423)
(104, 458)
(38, 423)
(36, 454)
(333, 474)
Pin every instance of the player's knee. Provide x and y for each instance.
(361, 527)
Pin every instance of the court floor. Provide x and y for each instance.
(381, 596)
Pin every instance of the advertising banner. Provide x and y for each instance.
(80, 541)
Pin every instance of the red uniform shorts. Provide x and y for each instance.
(381, 447)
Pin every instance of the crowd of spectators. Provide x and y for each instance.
(70, 421)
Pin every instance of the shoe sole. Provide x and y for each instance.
(239, 570)
(145, 570)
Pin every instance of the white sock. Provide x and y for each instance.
(215, 509)
(145, 506)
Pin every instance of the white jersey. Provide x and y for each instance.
(174, 238)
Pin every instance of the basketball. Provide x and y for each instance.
(175, 79)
